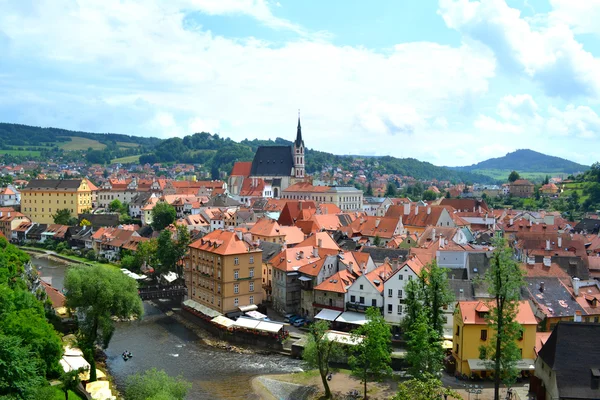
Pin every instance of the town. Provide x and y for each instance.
(278, 259)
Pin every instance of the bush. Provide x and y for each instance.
(90, 255)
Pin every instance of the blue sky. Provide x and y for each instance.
(452, 82)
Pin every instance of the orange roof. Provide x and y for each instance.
(383, 227)
(7, 191)
(469, 312)
(293, 234)
(322, 238)
(329, 208)
(252, 187)
(380, 274)
(56, 297)
(92, 187)
(539, 270)
(329, 222)
(223, 243)
(306, 187)
(540, 340)
(291, 259)
(241, 168)
(337, 283)
(266, 227)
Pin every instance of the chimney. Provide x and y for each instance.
(595, 378)
(407, 209)
(8, 214)
(386, 260)
(577, 316)
(395, 264)
(542, 287)
(350, 266)
(320, 243)
(473, 208)
(559, 242)
(428, 210)
(576, 282)
(548, 245)
(479, 208)
(301, 254)
(377, 221)
(316, 252)
(433, 235)
(510, 222)
(300, 205)
(416, 210)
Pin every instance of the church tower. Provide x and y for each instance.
(299, 153)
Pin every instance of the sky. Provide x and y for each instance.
(452, 82)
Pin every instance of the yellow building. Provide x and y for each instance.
(223, 271)
(42, 198)
(471, 331)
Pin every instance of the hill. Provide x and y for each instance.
(526, 161)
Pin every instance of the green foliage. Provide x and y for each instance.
(115, 206)
(528, 161)
(155, 385)
(377, 241)
(369, 191)
(147, 252)
(504, 279)
(131, 263)
(64, 217)
(21, 372)
(100, 293)
(70, 380)
(428, 388)
(514, 176)
(85, 222)
(391, 190)
(425, 354)
(172, 250)
(163, 215)
(429, 195)
(371, 357)
(319, 351)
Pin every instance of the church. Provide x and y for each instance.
(273, 169)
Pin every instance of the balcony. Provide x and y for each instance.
(358, 307)
(318, 305)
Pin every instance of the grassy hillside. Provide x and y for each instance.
(502, 174)
(79, 143)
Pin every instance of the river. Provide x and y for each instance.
(159, 341)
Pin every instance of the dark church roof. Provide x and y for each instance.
(573, 353)
(272, 161)
(299, 140)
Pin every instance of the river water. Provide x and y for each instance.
(159, 341)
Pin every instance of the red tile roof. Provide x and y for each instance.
(469, 311)
(241, 168)
(223, 243)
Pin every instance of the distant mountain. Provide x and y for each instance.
(527, 161)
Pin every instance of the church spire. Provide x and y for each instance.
(299, 140)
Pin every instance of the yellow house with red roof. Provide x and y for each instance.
(471, 331)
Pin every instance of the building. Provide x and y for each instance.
(9, 196)
(567, 366)
(42, 198)
(277, 166)
(367, 290)
(376, 206)
(521, 188)
(472, 331)
(9, 220)
(347, 198)
(394, 290)
(416, 219)
(224, 271)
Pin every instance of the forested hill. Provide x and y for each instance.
(527, 161)
(220, 154)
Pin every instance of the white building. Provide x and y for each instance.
(9, 196)
(394, 291)
(367, 290)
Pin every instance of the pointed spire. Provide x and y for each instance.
(299, 140)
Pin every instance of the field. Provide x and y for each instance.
(126, 160)
(12, 152)
(502, 174)
(127, 144)
(79, 143)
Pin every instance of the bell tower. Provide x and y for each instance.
(299, 153)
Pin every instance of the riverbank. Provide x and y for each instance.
(71, 260)
(308, 385)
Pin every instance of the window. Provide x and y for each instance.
(410, 277)
(483, 334)
(236, 301)
(457, 348)
(457, 332)
(399, 308)
(251, 261)
(400, 277)
(362, 300)
(521, 334)
(390, 291)
(361, 286)
(399, 293)
(236, 288)
(389, 308)
(251, 286)
(251, 300)
(373, 302)
(251, 272)
(353, 299)
(236, 274)
(236, 261)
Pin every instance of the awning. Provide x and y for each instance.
(246, 323)
(304, 278)
(351, 317)
(328, 315)
(170, 277)
(343, 338)
(267, 326)
(486, 365)
(201, 309)
(223, 321)
(256, 315)
(447, 344)
(249, 307)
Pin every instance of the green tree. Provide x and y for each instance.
(377, 241)
(20, 369)
(425, 354)
(155, 384)
(163, 215)
(147, 252)
(504, 279)
(391, 190)
(371, 356)
(85, 222)
(429, 388)
(448, 196)
(513, 176)
(172, 249)
(429, 195)
(70, 380)
(369, 191)
(100, 293)
(319, 351)
(64, 217)
(115, 205)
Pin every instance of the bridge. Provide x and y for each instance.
(162, 292)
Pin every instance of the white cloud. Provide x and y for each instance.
(581, 15)
(517, 107)
(580, 121)
(549, 55)
(204, 125)
(487, 125)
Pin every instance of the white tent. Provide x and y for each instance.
(266, 326)
(249, 307)
(328, 315)
(223, 321)
(246, 323)
(256, 315)
(351, 317)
